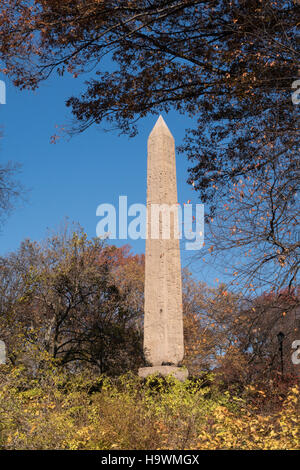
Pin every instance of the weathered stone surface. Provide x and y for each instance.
(2, 352)
(178, 372)
(163, 323)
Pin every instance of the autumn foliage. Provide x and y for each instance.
(71, 316)
(62, 412)
(230, 65)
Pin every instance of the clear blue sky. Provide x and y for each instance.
(72, 177)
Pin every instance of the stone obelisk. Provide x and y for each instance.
(163, 322)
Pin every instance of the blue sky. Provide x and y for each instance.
(72, 177)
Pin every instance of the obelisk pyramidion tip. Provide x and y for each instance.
(160, 128)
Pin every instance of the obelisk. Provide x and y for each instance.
(163, 322)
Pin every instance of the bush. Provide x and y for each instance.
(57, 411)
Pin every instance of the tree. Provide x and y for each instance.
(10, 189)
(193, 55)
(63, 298)
(254, 355)
(253, 232)
(209, 315)
(230, 64)
(237, 337)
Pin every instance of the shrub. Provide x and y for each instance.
(58, 411)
